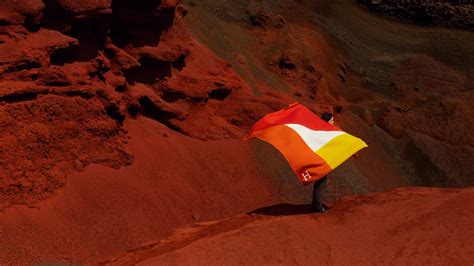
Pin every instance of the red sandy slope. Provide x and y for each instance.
(406, 226)
(174, 180)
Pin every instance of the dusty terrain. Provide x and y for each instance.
(122, 121)
(356, 231)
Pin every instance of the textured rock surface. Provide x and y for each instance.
(16, 12)
(86, 82)
(453, 13)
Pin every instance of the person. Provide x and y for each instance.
(317, 204)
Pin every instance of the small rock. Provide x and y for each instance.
(278, 21)
(78, 166)
(286, 62)
(367, 117)
(180, 9)
(342, 77)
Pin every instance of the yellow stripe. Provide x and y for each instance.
(340, 149)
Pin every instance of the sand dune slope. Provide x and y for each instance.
(405, 226)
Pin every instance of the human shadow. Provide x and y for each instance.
(283, 209)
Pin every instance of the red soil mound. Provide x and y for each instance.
(404, 226)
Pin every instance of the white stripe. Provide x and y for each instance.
(315, 139)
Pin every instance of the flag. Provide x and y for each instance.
(312, 147)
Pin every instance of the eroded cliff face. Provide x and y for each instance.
(73, 71)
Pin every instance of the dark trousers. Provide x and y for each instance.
(318, 193)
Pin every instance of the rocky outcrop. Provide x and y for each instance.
(454, 13)
(18, 12)
(74, 71)
(85, 7)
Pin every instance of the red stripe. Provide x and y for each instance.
(300, 157)
(293, 114)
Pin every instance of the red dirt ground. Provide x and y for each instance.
(103, 211)
(121, 122)
(425, 226)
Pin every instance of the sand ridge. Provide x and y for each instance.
(407, 225)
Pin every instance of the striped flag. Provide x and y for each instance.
(312, 147)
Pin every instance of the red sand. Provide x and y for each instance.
(121, 122)
(409, 226)
(103, 211)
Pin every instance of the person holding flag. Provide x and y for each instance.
(312, 145)
(317, 204)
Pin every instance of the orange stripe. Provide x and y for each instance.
(300, 157)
